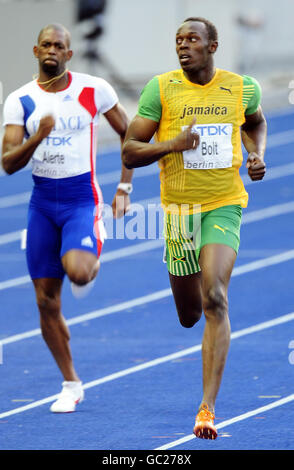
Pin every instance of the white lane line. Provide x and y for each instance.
(236, 419)
(249, 217)
(103, 179)
(160, 360)
(10, 237)
(15, 200)
(16, 281)
(237, 271)
(272, 174)
(123, 306)
(105, 258)
(131, 250)
(112, 177)
(252, 216)
(273, 140)
(263, 263)
(267, 212)
(280, 138)
(135, 206)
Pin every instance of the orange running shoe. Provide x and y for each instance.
(204, 424)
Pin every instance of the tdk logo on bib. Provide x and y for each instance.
(215, 149)
(215, 129)
(56, 141)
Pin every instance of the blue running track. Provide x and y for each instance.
(140, 368)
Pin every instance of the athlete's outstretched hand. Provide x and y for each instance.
(187, 139)
(256, 166)
(120, 204)
(45, 126)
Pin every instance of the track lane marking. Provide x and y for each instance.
(229, 422)
(160, 360)
(250, 217)
(237, 271)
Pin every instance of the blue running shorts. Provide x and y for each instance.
(62, 216)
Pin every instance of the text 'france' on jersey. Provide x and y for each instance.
(70, 148)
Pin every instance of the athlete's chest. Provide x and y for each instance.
(73, 110)
(219, 103)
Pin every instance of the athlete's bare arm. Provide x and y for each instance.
(118, 119)
(137, 151)
(254, 132)
(15, 153)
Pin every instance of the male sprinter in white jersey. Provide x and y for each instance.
(57, 115)
(196, 113)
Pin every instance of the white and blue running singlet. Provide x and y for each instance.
(66, 202)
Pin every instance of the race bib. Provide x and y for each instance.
(57, 157)
(215, 149)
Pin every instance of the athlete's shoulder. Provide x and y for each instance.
(251, 94)
(246, 79)
(15, 103)
(251, 86)
(25, 89)
(250, 81)
(104, 94)
(85, 79)
(227, 74)
(171, 75)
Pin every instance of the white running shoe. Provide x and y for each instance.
(81, 291)
(72, 393)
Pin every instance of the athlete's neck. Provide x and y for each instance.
(200, 77)
(55, 83)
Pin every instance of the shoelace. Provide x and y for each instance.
(204, 414)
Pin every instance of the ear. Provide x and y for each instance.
(213, 47)
(36, 51)
(69, 54)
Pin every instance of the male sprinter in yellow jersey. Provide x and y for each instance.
(196, 113)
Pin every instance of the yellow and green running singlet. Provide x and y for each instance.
(208, 177)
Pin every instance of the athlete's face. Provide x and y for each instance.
(53, 51)
(193, 46)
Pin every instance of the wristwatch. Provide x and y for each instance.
(126, 187)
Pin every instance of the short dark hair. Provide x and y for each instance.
(211, 29)
(56, 27)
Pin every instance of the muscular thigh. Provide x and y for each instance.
(200, 255)
(217, 262)
(220, 239)
(187, 296)
(43, 246)
(82, 231)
